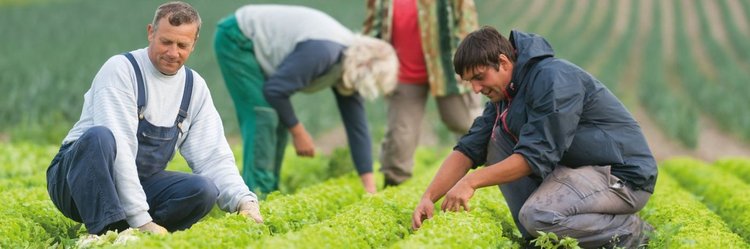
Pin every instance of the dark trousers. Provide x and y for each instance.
(80, 182)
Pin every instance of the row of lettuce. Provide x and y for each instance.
(696, 205)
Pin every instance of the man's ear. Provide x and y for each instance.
(504, 62)
(149, 31)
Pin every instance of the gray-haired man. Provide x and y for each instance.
(142, 107)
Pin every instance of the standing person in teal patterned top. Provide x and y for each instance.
(265, 57)
(425, 35)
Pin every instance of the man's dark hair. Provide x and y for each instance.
(178, 13)
(482, 47)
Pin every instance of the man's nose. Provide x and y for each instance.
(173, 51)
(476, 87)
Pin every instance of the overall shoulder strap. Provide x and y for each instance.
(186, 95)
(141, 87)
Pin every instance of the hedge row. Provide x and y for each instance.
(721, 191)
(682, 221)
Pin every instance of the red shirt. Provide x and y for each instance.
(407, 41)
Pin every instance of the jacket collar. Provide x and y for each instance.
(530, 49)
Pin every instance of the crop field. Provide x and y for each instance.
(681, 67)
(696, 205)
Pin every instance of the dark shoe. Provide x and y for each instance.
(639, 238)
(390, 183)
(646, 234)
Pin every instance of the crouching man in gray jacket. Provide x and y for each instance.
(566, 153)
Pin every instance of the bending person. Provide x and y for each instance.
(266, 56)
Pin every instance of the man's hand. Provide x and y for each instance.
(303, 142)
(458, 197)
(154, 228)
(250, 209)
(422, 212)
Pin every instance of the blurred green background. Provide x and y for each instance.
(672, 62)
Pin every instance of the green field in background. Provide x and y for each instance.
(52, 49)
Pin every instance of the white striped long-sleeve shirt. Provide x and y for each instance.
(112, 102)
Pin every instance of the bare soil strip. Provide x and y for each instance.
(694, 33)
(623, 13)
(620, 26)
(577, 16)
(552, 20)
(714, 144)
(739, 16)
(713, 12)
(668, 31)
(718, 31)
(661, 146)
(629, 83)
(599, 17)
(532, 12)
(585, 36)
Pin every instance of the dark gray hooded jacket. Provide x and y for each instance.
(559, 115)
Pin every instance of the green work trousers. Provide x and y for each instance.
(264, 138)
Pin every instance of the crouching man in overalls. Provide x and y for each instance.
(142, 106)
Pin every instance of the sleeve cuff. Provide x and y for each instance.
(139, 219)
(243, 200)
(462, 150)
(535, 169)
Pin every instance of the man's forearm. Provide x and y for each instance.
(510, 169)
(451, 171)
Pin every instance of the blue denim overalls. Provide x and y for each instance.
(156, 144)
(80, 179)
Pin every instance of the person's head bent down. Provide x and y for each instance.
(485, 59)
(370, 67)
